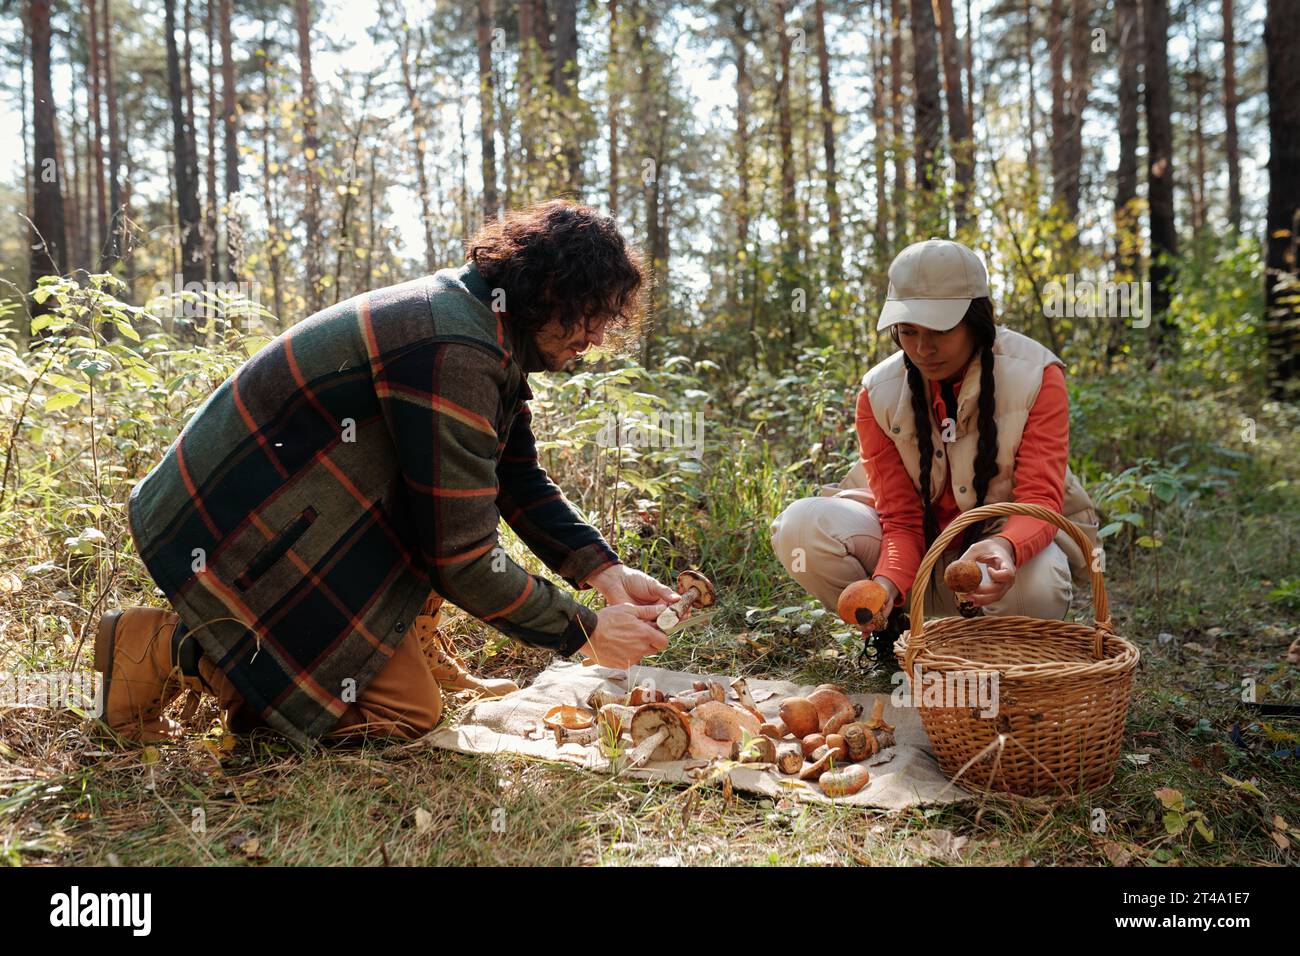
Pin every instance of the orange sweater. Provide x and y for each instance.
(1039, 479)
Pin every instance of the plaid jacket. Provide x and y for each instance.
(358, 462)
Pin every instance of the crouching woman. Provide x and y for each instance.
(967, 413)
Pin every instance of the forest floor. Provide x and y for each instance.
(69, 798)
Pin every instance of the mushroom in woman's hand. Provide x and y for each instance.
(862, 605)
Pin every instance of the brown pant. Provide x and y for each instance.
(402, 700)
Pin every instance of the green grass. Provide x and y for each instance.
(1214, 605)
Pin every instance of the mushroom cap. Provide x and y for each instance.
(693, 579)
(649, 719)
(569, 717)
(962, 577)
(829, 700)
(715, 726)
(800, 716)
(862, 604)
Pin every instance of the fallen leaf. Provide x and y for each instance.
(423, 820)
(10, 583)
(1280, 839)
(1116, 853)
(1247, 785)
(937, 843)
(1139, 759)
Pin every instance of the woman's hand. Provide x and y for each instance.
(1000, 557)
(624, 634)
(892, 590)
(619, 584)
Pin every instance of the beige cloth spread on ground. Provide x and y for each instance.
(902, 776)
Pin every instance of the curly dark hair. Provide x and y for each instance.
(979, 318)
(560, 260)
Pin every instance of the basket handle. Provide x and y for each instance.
(1100, 605)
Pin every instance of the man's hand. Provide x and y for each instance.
(619, 584)
(624, 634)
(1000, 556)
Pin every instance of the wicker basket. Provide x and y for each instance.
(1063, 688)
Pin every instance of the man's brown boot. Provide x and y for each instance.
(133, 650)
(447, 670)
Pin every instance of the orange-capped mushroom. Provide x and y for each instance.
(862, 604)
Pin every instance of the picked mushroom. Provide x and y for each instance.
(800, 715)
(844, 782)
(789, 758)
(713, 690)
(862, 605)
(658, 733)
(715, 729)
(569, 717)
(759, 750)
(696, 590)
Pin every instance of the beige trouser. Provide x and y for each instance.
(828, 543)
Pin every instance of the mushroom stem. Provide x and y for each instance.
(564, 735)
(642, 751)
(741, 687)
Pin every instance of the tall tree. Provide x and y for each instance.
(785, 147)
(487, 116)
(1129, 54)
(1060, 143)
(1196, 89)
(1160, 166)
(1080, 43)
(1230, 116)
(926, 108)
(612, 91)
(959, 130)
(880, 235)
(117, 219)
(270, 208)
(1282, 47)
(95, 124)
(1031, 87)
(896, 119)
(564, 78)
(739, 34)
(833, 211)
(210, 211)
(185, 163)
(48, 244)
(413, 84)
(230, 131)
(310, 147)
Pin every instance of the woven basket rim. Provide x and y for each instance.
(1120, 654)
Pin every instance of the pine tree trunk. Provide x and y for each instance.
(744, 88)
(310, 148)
(959, 130)
(1129, 52)
(96, 123)
(565, 81)
(230, 131)
(1230, 115)
(834, 214)
(185, 165)
(1196, 88)
(48, 241)
(117, 219)
(1160, 168)
(785, 148)
(273, 225)
(1080, 41)
(1031, 103)
(210, 217)
(896, 101)
(1060, 145)
(880, 235)
(612, 90)
(487, 116)
(929, 117)
(1282, 46)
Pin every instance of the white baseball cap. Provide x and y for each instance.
(931, 284)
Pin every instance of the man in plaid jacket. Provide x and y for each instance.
(351, 475)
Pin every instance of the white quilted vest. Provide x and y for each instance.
(1018, 364)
